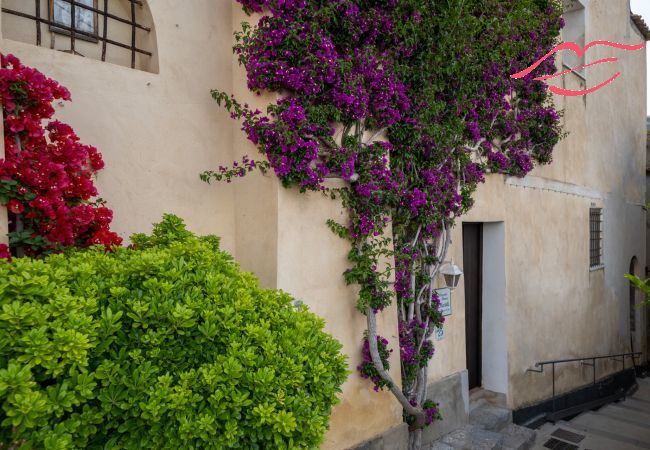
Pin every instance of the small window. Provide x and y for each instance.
(574, 31)
(117, 31)
(85, 19)
(596, 238)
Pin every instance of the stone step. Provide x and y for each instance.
(535, 422)
(490, 418)
(477, 403)
(490, 428)
(480, 396)
(633, 407)
(623, 425)
(626, 413)
(472, 437)
(614, 429)
(513, 437)
(518, 438)
(439, 445)
(544, 432)
(546, 428)
(590, 441)
(643, 392)
(638, 403)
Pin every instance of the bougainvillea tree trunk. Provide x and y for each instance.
(410, 102)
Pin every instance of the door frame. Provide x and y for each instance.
(479, 309)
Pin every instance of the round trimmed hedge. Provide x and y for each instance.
(166, 344)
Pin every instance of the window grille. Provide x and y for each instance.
(632, 293)
(596, 238)
(85, 20)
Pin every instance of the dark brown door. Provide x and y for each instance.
(472, 268)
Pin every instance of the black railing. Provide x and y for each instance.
(589, 361)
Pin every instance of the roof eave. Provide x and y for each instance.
(641, 25)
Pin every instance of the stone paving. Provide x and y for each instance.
(490, 428)
(618, 426)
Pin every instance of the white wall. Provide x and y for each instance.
(494, 316)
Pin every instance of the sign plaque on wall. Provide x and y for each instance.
(445, 301)
(440, 333)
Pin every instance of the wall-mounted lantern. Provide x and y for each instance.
(451, 273)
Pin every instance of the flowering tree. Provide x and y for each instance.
(46, 176)
(411, 102)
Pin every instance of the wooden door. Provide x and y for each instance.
(472, 267)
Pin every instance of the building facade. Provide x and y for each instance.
(553, 247)
(543, 256)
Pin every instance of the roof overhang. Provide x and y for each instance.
(641, 25)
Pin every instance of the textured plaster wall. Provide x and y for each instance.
(449, 356)
(578, 312)
(256, 196)
(282, 236)
(157, 132)
(311, 260)
(494, 313)
(642, 268)
(3, 213)
(555, 307)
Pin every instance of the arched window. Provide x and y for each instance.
(116, 31)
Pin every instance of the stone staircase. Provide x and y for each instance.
(618, 426)
(490, 428)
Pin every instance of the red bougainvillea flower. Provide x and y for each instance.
(15, 206)
(54, 170)
(4, 252)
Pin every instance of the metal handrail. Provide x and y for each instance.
(590, 358)
(588, 361)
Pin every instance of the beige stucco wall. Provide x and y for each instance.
(591, 314)
(157, 132)
(556, 307)
(311, 261)
(450, 351)
(4, 225)
(282, 236)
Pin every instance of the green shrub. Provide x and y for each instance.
(642, 285)
(164, 345)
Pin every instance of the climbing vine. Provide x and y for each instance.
(46, 178)
(410, 102)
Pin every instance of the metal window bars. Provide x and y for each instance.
(74, 30)
(595, 238)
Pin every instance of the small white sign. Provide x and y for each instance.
(440, 333)
(445, 301)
